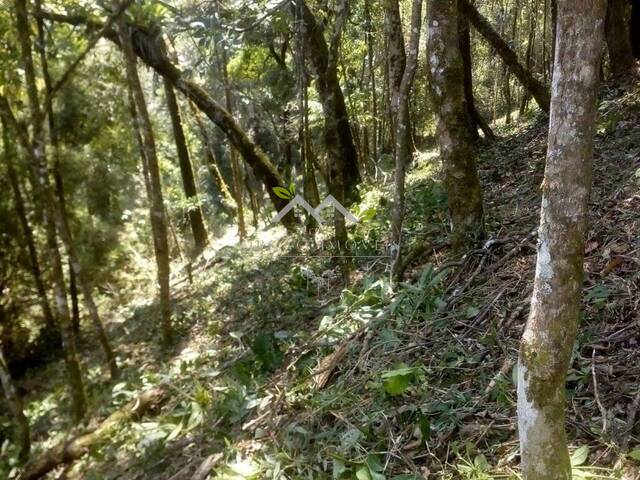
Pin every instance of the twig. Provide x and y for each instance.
(603, 411)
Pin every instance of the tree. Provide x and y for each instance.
(343, 173)
(186, 170)
(539, 91)
(402, 68)
(36, 158)
(548, 338)
(446, 78)
(14, 402)
(151, 168)
(616, 29)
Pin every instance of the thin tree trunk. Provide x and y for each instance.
(34, 263)
(634, 28)
(186, 170)
(142, 122)
(538, 90)
(475, 119)
(40, 169)
(14, 402)
(227, 200)
(402, 65)
(617, 36)
(529, 57)
(551, 329)
(236, 173)
(456, 152)
(78, 397)
(57, 173)
(373, 97)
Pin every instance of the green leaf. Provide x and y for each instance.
(282, 193)
(635, 454)
(579, 456)
(292, 188)
(396, 385)
(408, 476)
(363, 473)
(471, 311)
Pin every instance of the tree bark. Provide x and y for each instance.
(36, 154)
(186, 170)
(616, 29)
(158, 219)
(343, 175)
(475, 119)
(373, 97)
(538, 90)
(550, 332)
(402, 68)
(456, 152)
(14, 402)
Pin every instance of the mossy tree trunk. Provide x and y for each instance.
(343, 173)
(402, 69)
(154, 184)
(550, 332)
(618, 39)
(186, 170)
(456, 151)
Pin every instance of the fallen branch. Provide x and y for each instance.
(69, 450)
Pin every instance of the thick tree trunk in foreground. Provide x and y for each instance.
(14, 402)
(343, 159)
(154, 183)
(402, 66)
(618, 40)
(538, 90)
(78, 397)
(35, 152)
(456, 152)
(634, 28)
(186, 170)
(551, 329)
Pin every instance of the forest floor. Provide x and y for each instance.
(281, 372)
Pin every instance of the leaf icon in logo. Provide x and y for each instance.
(292, 188)
(282, 193)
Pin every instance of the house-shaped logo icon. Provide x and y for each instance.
(329, 201)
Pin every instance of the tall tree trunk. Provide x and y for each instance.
(373, 97)
(78, 397)
(538, 90)
(475, 119)
(551, 329)
(343, 159)
(618, 40)
(528, 60)
(447, 92)
(402, 66)
(57, 173)
(38, 164)
(236, 172)
(554, 35)
(186, 170)
(34, 263)
(156, 204)
(14, 402)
